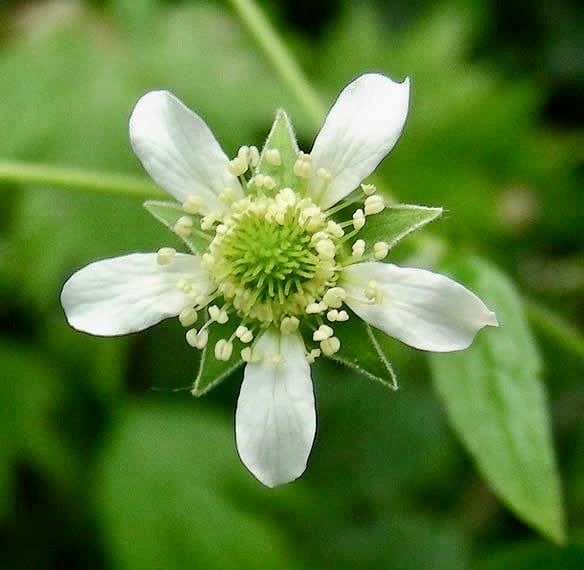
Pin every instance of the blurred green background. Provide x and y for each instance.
(103, 463)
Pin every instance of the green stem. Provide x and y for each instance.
(556, 327)
(280, 57)
(76, 179)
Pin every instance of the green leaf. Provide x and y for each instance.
(495, 400)
(361, 351)
(212, 371)
(168, 213)
(169, 492)
(394, 223)
(283, 139)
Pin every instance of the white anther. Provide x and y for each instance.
(217, 314)
(303, 165)
(358, 219)
(372, 292)
(243, 153)
(330, 345)
(197, 340)
(324, 175)
(192, 205)
(315, 308)
(238, 165)
(223, 349)
(374, 205)
(243, 334)
(273, 157)
(325, 248)
(318, 236)
(227, 195)
(368, 189)
(286, 196)
(187, 317)
(208, 221)
(269, 182)
(313, 355)
(249, 354)
(332, 315)
(258, 180)
(342, 316)
(380, 250)
(334, 297)
(289, 325)
(358, 249)
(334, 229)
(165, 255)
(323, 332)
(183, 226)
(207, 260)
(254, 156)
(184, 285)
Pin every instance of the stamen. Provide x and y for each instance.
(303, 165)
(165, 255)
(326, 249)
(380, 250)
(289, 325)
(183, 226)
(323, 332)
(218, 315)
(223, 350)
(249, 354)
(358, 219)
(192, 205)
(368, 189)
(313, 355)
(342, 316)
(315, 308)
(197, 339)
(187, 317)
(374, 205)
(334, 297)
(358, 249)
(273, 157)
(330, 345)
(254, 156)
(227, 195)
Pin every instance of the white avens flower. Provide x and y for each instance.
(277, 265)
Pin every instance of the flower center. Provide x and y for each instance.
(272, 257)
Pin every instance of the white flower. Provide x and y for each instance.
(276, 260)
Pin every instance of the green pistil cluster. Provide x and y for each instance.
(272, 257)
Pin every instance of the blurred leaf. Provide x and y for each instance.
(535, 556)
(283, 139)
(168, 213)
(167, 496)
(213, 371)
(394, 223)
(360, 351)
(495, 399)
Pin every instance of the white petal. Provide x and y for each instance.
(275, 420)
(360, 129)
(129, 293)
(423, 309)
(179, 151)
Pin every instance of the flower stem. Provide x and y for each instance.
(281, 58)
(76, 179)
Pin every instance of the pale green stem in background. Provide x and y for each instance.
(555, 327)
(281, 58)
(76, 179)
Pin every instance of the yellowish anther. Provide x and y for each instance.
(249, 354)
(286, 197)
(273, 157)
(326, 249)
(192, 205)
(289, 325)
(368, 189)
(258, 180)
(358, 219)
(303, 165)
(239, 164)
(323, 332)
(197, 339)
(372, 292)
(313, 355)
(330, 345)
(183, 226)
(243, 334)
(269, 182)
(218, 315)
(223, 350)
(165, 255)
(184, 285)
(332, 315)
(380, 250)
(187, 317)
(334, 297)
(208, 221)
(254, 156)
(207, 260)
(342, 316)
(316, 308)
(374, 205)
(227, 195)
(324, 175)
(335, 229)
(358, 249)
